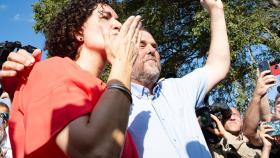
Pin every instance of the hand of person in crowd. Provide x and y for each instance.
(219, 130)
(266, 139)
(123, 45)
(264, 82)
(16, 62)
(212, 5)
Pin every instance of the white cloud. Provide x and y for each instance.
(3, 7)
(30, 20)
(19, 17)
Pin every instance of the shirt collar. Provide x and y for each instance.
(140, 91)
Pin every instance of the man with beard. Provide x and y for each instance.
(162, 119)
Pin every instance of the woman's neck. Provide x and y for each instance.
(93, 62)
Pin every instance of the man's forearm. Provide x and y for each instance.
(265, 110)
(219, 53)
(218, 61)
(252, 118)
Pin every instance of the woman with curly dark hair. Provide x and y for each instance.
(61, 108)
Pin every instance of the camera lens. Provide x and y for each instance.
(276, 66)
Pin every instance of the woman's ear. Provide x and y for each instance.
(79, 36)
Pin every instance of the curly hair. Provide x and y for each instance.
(60, 30)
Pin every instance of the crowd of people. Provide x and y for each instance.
(61, 108)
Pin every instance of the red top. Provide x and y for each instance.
(56, 92)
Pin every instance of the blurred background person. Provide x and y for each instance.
(5, 146)
(233, 143)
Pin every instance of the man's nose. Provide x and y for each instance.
(151, 50)
(232, 118)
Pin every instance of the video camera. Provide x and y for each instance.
(221, 110)
(7, 47)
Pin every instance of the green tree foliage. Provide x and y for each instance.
(44, 10)
(181, 29)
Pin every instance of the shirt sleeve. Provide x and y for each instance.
(47, 116)
(195, 85)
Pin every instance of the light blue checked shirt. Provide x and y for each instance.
(164, 125)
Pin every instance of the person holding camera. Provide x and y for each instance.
(233, 143)
(266, 139)
(259, 111)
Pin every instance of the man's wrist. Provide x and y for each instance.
(256, 96)
(266, 147)
(217, 12)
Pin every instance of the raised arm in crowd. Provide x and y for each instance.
(258, 109)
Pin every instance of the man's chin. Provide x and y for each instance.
(234, 131)
(152, 71)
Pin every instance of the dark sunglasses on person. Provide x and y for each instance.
(4, 116)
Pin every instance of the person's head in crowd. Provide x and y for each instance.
(4, 117)
(234, 123)
(146, 69)
(5, 99)
(276, 115)
(79, 27)
(4, 112)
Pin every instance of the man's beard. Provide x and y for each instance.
(146, 76)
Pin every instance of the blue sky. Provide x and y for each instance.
(16, 18)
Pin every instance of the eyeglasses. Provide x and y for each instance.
(4, 116)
